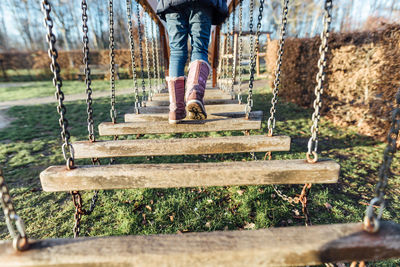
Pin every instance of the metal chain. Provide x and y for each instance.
(79, 211)
(147, 59)
(312, 155)
(221, 61)
(113, 112)
(15, 224)
(240, 51)
(144, 94)
(88, 80)
(226, 55)
(254, 47)
(234, 56)
(277, 81)
(67, 149)
(132, 47)
(371, 221)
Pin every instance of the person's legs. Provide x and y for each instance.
(200, 27)
(177, 27)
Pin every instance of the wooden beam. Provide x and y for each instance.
(180, 146)
(165, 53)
(150, 6)
(124, 176)
(211, 109)
(215, 53)
(186, 126)
(283, 246)
(133, 117)
(207, 101)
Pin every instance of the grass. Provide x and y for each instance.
(31, 143)
(46, 88)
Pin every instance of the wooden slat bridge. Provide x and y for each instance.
(289, 246)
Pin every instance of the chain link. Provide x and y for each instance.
(234, 55)
(153, 66)
(144, 93)
(312, 155)
(67, 149)
(239, 97)
(113, 112)
(15, 224)
(277, 81)
(254, 48)
(79, 211)
(147, 59)
(371, 221)
(88, 80)
(132, 47)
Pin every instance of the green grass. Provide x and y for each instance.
(46, 88)
(32, 143)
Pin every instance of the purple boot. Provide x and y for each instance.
(196, 86)
(176, 89)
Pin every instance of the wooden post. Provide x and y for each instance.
(165, 47)
(214, 54)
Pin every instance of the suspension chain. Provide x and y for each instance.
(79, 210)
(113, 112)
(152, 50)
(371, 221)
(254, 48)
(15, 224)
(277, 81)
(88, 80)
(312, 155)
(234, 56)
(67, 149)
(144, 94)
(147, 59)
(132, 47)
(240, 50)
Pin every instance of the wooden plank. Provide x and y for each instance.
(207, 101)
(133, 117)
(210, 94)
(186, 126)
(215, 95)
(181, 146)
(283, 246)
(58, 178)
(211, 109)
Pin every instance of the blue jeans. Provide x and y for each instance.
(184, 21)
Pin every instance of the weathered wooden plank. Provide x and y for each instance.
(207, 101)
(284, 246)
(209, 108)
(58, 178)
(159, 127)
(180, 146)
(212, 94)
(132, 117)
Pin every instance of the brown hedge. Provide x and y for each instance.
(363, 75)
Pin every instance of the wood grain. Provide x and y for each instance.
(132, 117)
(285, 246)
(207, 101)
(209, 108)
(160, 127)
(58, 178)
(180, 146)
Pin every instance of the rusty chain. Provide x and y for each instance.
(254, 48)
(234, 56)
(144, 93)
(67, 148)
(15, 224)
(371, 221)
(239, 96)
(312, 155)
(157, 53)
(132, 48)
(277, 81)
(113, 112)
(152, 51)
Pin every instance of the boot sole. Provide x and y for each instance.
(196, 110)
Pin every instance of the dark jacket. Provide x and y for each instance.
(220, 8)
